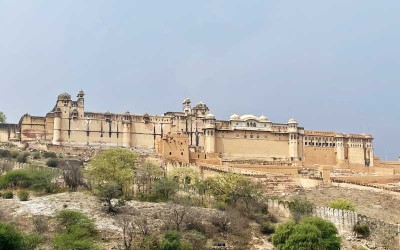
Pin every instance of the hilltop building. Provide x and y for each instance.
(190, 135)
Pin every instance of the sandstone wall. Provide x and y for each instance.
(261, 145)
(8, 131)
(319, 155)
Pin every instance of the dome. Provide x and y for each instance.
(201, 105)
(210, 116)
(187, 100)
(248, 117)
(64, 96)
(292, 121)
(234, 117)
(263, 119)
(81, 94)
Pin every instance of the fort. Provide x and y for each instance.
(190, 135)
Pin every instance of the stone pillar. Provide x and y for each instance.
(126, 135)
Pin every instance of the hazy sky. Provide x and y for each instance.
(332, 65)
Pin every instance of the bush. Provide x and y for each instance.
(76, 231)
(40, 224)
(68, 219)
(342, 204)
(8, 195)
(22, 158)
(13, 239)
(4, 153)
(172, 241)
(49, 155)
(39, 180)
(36, 155)
(23, 195)
(362, 230)
(267, 228)
(31, 241)
(195, 239)
(52, 162)
(10, 238)
(14, 154)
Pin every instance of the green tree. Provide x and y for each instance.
(343, 204)
(145, 173)
(107, 193)
(185, 176)
(165, 187)
(300, 208)
(3, 117)
(232, 188)
(113, 165)
(310, 234)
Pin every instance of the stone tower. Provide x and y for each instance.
(126, 130)
(340, 157)
(62, 112)
(369, 152)
(293, 139)
(209, 132)
(186, 106)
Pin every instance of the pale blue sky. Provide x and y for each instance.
(332, 65)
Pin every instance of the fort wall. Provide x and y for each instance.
(319, 155)
(344, 220)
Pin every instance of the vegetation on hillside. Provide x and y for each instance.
(342, 204)
(310, 233)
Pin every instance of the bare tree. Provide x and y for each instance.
(5, 166)
(128, 231)
(143, 225)
(72, 173)
(176, 219)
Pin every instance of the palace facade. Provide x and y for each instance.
(192, 134)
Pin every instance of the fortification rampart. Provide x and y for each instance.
(344, 220)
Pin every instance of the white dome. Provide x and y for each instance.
(292, 121)
(186, 101)
(210, 116)
(234, 117)
(248, 117)
(263, 119)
